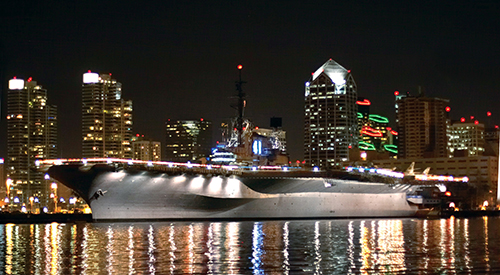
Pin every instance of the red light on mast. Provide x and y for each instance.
(448, 109)
(348, 71)
(89, 71)
(240, 67)
(388, 128)
(462, 119)
(496, 126)
(488, 113)
(29, 79)
(476, 122)
(15, 77)
(396, 93)
(471, 117)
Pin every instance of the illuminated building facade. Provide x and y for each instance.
(422, 127)
(31, 135)
(144, 149)
(106, 118)
(331, 125)
(466, 138)
(188, 140)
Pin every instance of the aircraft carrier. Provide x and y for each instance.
(138, 190)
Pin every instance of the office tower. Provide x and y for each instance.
(145, 149)
(106, 118)
(31, 135)
(331, 126)
(422, 126)
(466, 138)
(188, 140)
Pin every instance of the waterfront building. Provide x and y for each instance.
(145, 149)
(466, 138)
(422, 126)
(188, 140)
(31, 135)
(331, 127)
(106, 118)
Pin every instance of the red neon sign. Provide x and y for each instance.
(364, 102)
(394, 132)
(371, 132)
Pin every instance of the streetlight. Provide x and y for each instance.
(54, 195)
(31, 203)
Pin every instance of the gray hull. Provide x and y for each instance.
(154, 196)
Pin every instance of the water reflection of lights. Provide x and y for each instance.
(54, 244)
(151, 250)
(257, 240)
(130, 248)
(110, 250)
(317, 248)
(425, 245)
(486, 248)
(365, 247)
(85, 248)
(286, 243)
(391, 245)
(9, 248)
(213, 247)
(446, 242)
(173, 248)
(190, 249)
(350, 248)
(46, 242)
(232, 233)
(466, 245)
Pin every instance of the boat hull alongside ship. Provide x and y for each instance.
(130, 194)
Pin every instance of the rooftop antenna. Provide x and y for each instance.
(240, 107)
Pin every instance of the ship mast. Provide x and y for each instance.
(240, 107)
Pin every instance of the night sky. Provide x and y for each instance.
(177, 59)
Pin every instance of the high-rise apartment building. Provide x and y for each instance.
(466, 138)
(31, 135)
(145, 149)
(188, 140)
(331, 125)
(422, 126)
(106, 118)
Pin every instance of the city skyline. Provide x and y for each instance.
(166, 56)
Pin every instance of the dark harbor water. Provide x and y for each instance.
(373, 246)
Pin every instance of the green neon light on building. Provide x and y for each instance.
(379, 119)
(366, 146)
(360, 115)
(391, 148)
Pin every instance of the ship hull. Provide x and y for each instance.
(143, 195)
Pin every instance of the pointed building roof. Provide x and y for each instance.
(334, 71)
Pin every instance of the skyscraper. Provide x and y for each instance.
(31, 135)
(466, 138)
(188, 140)
(422, 126)
(146, 149)
(331, 126)
(106, 118)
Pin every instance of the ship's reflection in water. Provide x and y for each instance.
(261, 247)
